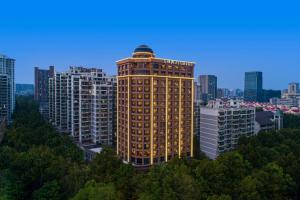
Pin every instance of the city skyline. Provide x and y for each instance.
(149, 100)
(224, 39)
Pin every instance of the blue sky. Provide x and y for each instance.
(225, 38)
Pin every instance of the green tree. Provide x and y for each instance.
(97, 191)
(49, 191)
(268, 183)
(104, 165)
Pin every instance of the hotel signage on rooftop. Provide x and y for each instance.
(176, 62)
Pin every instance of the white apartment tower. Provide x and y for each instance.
(293, 88)
(222, 124)
(82, 104)
(7, 88)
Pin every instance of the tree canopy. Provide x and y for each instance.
(38, 163)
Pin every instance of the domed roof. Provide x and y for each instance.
(143, 48)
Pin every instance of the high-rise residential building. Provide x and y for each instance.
(7, 88)
(292, 91)
(41, 88)
(284, 92)
(62, 110)
(225, 93)
(289, 97)
(197, 91)
(155, 108)
(209, 87)
(253, 86)
(237, 93)
(222, 123)
(220, 93)
(51, 103)
(115, 120)
(82, 103)
(103, 110)
(293, 88)
(197, 105)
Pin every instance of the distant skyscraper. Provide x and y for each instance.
(7, 88)
(220, 93)
(293, 88)
(41, 88)
(253, 86)
(209, 87)
(197, 91)
(224, 93)
(155, 108)
(269, 94)
(237, 93)
(292, 92)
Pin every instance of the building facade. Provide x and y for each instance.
(289, 102)
(290, 97)
(222, 124)
(7, 88)
(209, 87)
(197, 105)
(41, 88)
(155, 108)
(269, 94)
(293, 88)
(253, 87)
(268, 121)
(82, 103)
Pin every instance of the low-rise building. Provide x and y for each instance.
(268, 121)
(289, 102)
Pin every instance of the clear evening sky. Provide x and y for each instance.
(225, 38)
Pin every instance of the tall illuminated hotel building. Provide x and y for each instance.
(155, 108)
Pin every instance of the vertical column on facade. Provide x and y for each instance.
(79, 113)
(166, 118)
(179, 137)
(151, 123)
(128, 119)
(117, 135)
(192, 119)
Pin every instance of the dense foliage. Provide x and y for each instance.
(38, 163)
(291, 121)
(35, 161)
